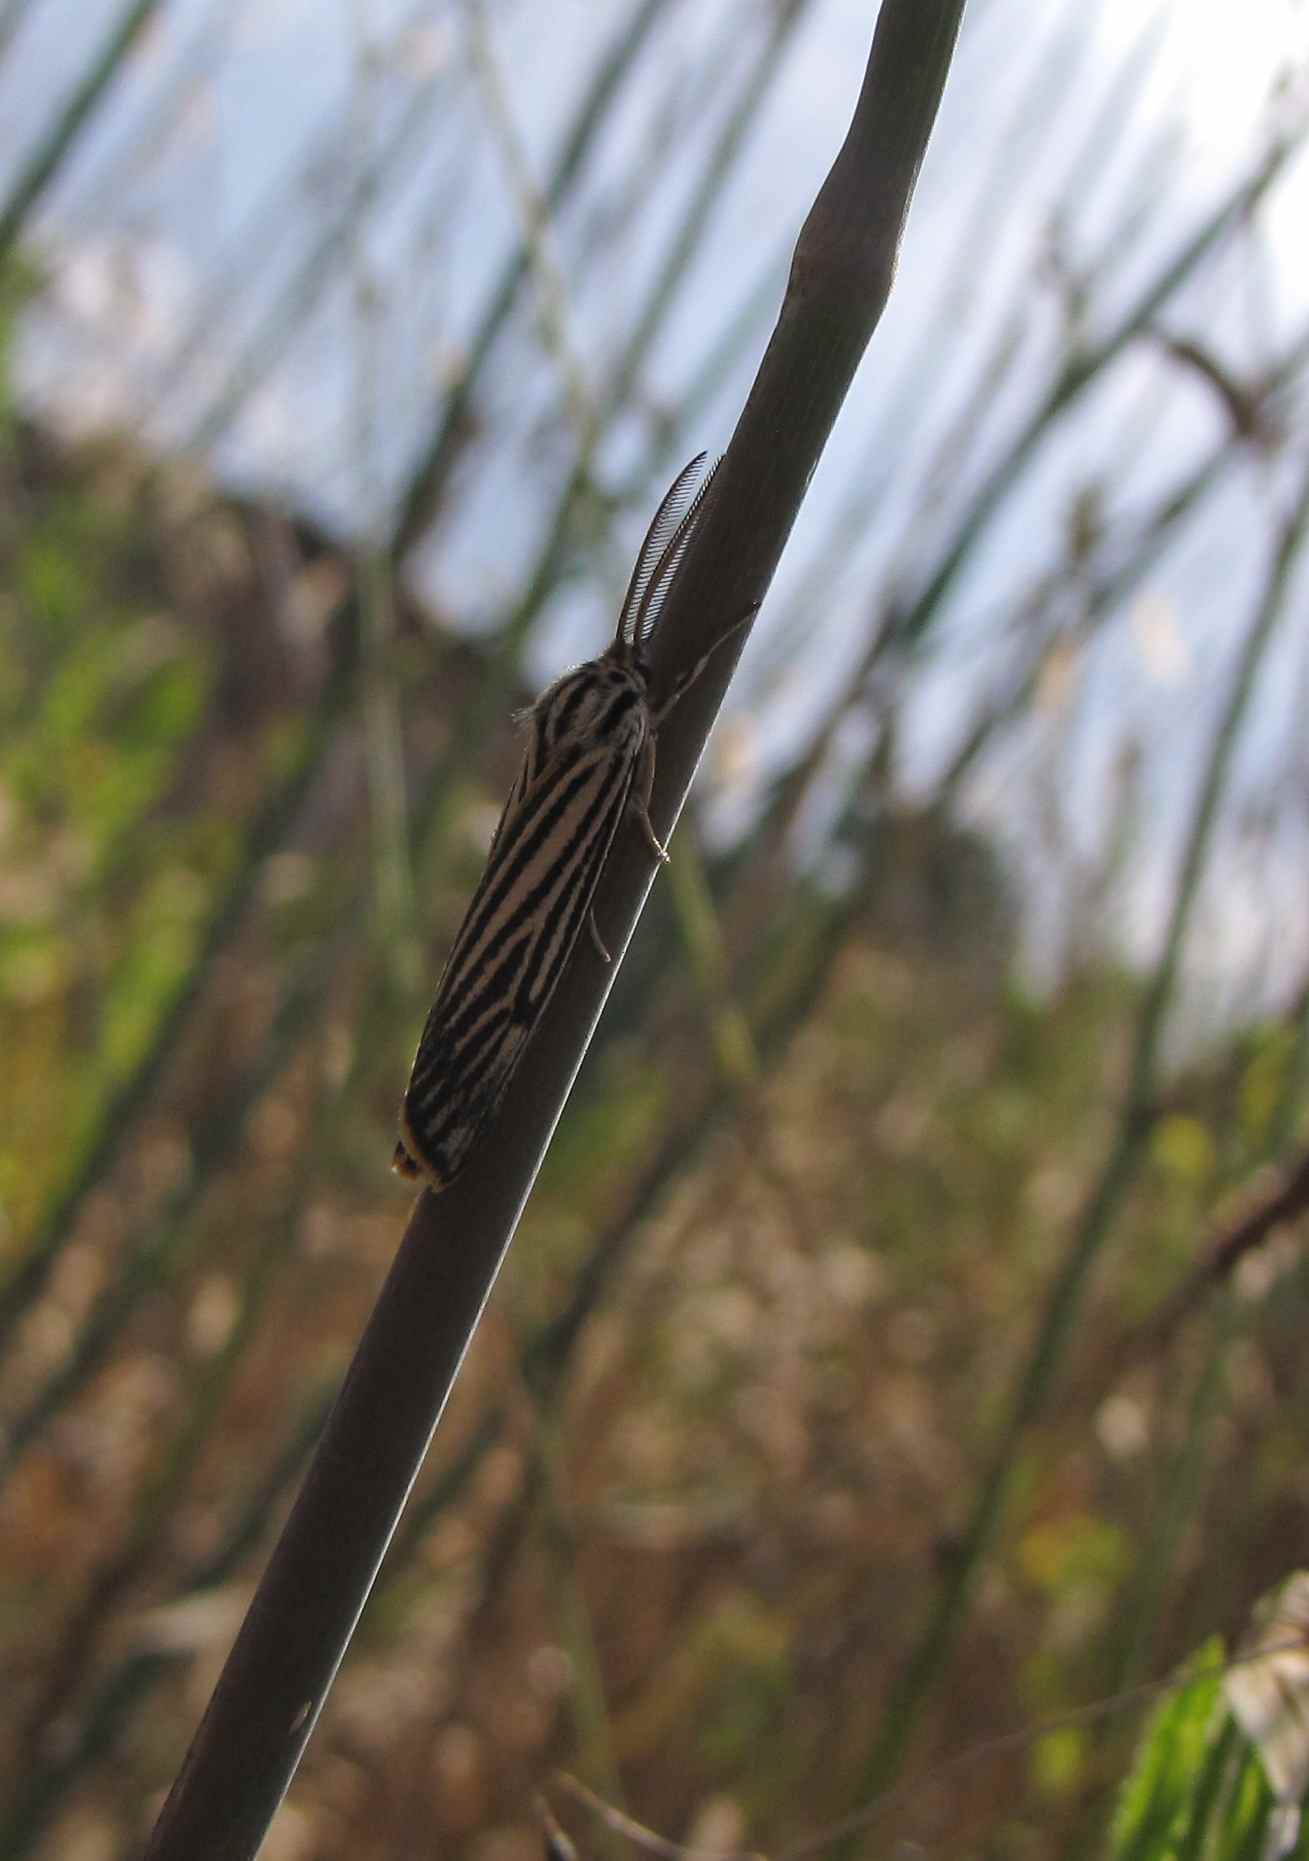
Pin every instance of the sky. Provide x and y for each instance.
(216, 176)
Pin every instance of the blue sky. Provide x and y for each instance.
(232, 148)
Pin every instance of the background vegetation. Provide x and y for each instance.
(905, 1340)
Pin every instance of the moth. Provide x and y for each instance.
(589, 759)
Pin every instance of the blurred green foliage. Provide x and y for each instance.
(772, 1422)
(103, 695)
(1197, 1790)
(795, 1234)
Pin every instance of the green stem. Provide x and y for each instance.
(105, 1143)
(52, 151)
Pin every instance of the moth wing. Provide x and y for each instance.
(510, 808)
(514, 943)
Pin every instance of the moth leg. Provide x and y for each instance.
(688, 678)
(642, 789)
(598, 940)
(403, 1164)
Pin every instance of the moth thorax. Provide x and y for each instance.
(602, 701)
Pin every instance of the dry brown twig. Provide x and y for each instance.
(903, 1794)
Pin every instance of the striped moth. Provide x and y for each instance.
(590, 756)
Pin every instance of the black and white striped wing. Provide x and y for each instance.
(529, 908)
(589, 738)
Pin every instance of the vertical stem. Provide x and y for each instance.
(431, 473)
(383, 738)
(54, 147)
(306, 1607)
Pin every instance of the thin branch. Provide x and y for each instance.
(1287, 1200)
(431, 473)
(779, 1005)
(1077, 376)
(553, 309)
(40, 171)
(46, 1786)
(163, 1244)
(306, 1608)
(717, 166)
(117, 1119)
(986, 1750)
(1101, 1209)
